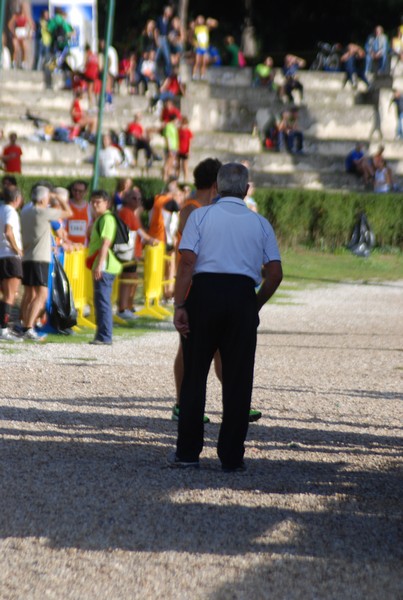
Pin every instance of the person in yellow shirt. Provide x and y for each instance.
(201, 41)
(44, 40)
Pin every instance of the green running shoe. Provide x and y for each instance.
(254, 415)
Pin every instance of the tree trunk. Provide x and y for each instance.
(183, 13)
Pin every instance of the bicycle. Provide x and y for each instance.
(327, 58)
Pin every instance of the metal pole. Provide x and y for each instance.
(2, 15)
(108, 39)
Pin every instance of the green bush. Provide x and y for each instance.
(150, 187)
(326, 219)
(319, 219)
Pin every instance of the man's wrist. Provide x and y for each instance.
(179, 304)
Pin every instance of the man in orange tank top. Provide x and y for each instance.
(205, 180)
(79, 223)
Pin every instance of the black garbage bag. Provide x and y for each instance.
(363, 238)
(63, 313)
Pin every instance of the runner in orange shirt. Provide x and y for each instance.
(131, 202)
(205, 179)
(79, 224)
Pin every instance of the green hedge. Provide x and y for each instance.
(149, 186)
(315, 218)
(326, 219)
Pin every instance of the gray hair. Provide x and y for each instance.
(62, 193)
(39, 193)
(232, 180)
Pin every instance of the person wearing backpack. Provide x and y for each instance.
(104, 264)
(61, 32)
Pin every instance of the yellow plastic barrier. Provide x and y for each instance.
(154, 262)
(81, 285)
(80, 278)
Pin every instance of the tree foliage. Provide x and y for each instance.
(280, 27)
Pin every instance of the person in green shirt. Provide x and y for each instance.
(105, 266)
(264, 74)
(171, 135)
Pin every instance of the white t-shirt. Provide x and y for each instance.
(109, 159)
(113, 61)
(9, 216)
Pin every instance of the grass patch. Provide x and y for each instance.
(303, 268)
(313, 266)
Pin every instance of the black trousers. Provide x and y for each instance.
(223, 315)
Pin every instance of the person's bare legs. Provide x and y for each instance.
(9, 289)
(197, 65)
(127, 292)
(203, 67)
(39, 296)
(27, 298)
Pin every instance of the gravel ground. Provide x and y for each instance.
(89, 508)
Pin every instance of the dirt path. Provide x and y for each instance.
(89, 509)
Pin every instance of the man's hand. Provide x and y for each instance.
(181, 321)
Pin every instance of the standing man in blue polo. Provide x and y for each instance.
(162, 31)
(226, 251)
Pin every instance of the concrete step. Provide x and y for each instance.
(340, 148)
(54, 100)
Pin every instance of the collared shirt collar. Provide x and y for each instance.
(231, 199)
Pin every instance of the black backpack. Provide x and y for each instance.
(63, 313)
(123, 244)
(363, 238)
(59, 39)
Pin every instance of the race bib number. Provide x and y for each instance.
(78, 228)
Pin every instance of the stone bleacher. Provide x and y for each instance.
(223, 113)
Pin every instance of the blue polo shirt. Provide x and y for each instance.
(229, 238)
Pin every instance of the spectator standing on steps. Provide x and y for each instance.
(12, 155)
(20, 26)
(185, 138)
(163, 27)
(397, 100)
(225, 250)
(377, 52)
(200, 30)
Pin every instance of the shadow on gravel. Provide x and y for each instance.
(98, 481)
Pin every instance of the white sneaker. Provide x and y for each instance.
(7, 335)
(126, 314)
(31, 334)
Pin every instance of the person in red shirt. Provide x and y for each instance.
(139, 138)
(20, 26)
(170, 110)
(185, 137)
(90, 73)
(12, 155)
(80, 117)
